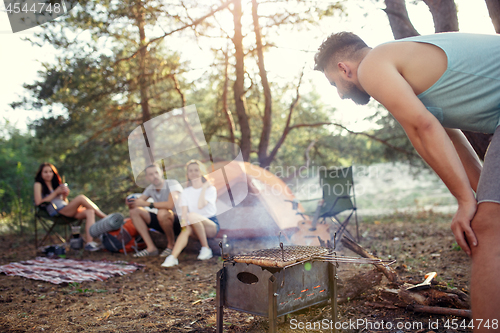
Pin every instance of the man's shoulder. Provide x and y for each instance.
(385, 49)
(381, 56)
(149, 188)
(174, 185)
(171, 181)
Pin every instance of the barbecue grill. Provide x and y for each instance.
(278, 281)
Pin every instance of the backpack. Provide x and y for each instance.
(124, 239)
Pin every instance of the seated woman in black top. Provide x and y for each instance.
(49, 188)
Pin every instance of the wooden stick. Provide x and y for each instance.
(432, 297)
(440, 310)
(358, 284)
(389, 272)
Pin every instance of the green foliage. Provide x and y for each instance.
(17, 167)
(75, 288)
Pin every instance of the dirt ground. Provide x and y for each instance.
(182, 299)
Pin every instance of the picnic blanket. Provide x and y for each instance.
(59, 271)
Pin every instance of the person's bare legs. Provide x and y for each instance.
(72, 207)
(485, 282)
(89, 216)
(182, 241)
(202, 227)
(141, 219)
(166, 220)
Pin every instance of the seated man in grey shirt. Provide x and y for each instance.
(164, 193)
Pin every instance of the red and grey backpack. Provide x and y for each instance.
(124, 239)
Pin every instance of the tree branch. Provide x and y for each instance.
(289, 119)
(384, 142)
(184, 117)
(194, 23)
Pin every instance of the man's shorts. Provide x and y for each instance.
(155, 224)
(488, 189)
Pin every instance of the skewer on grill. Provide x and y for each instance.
(354, 260)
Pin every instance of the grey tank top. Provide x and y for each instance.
(467, 96)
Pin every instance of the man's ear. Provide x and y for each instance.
(344, 69)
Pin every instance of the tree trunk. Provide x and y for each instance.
(444, 14)
(267, 119)
(142, 67)
(20, 205)
(401, 25)
(238, 87)
(494, 11)
(143, 88)
(225, 108)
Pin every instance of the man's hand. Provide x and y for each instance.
(460, 225)
(137, 202)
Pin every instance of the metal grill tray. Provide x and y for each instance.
(294, 254)
(277, 257)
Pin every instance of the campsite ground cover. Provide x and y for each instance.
(181, 299)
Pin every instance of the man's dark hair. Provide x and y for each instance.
(340, 45)
(154, 165)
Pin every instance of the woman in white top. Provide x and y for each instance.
(49, 188)
(198, 213)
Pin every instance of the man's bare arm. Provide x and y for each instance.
(467, 155)
(165, 204)
(381, 79)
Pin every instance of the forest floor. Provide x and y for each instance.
(182, 299)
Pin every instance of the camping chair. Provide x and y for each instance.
(338, 196)
(49, 224)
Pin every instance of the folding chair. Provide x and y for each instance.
(338, 196)
(49, 224)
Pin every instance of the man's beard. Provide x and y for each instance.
(359, 97)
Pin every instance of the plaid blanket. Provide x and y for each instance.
(59, 271)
